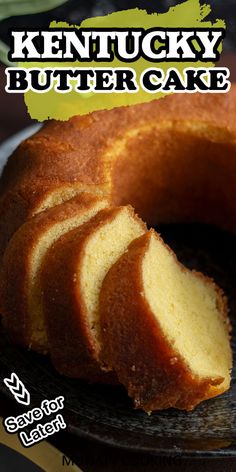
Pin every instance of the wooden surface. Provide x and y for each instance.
(93, 457)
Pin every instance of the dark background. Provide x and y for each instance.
(74, 11)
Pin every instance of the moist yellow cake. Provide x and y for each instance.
(72, 274)
(172, 159)
(21, 291)
(165, 328)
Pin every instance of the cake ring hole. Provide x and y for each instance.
(177, 171)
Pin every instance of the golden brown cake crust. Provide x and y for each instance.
(134, 346)
(73, 348)
(172, 159)
(18, 258)
(56, 152)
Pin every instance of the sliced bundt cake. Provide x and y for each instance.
(72, 274)
(21, 291)
(165, 328)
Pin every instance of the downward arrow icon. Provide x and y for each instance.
(17, 389)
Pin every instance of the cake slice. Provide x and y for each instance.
(72, 275)
(21, 291)
(165, 328)
(20, 204)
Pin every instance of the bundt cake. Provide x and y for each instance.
(72, 274)
(21, 290)
(173, 160)
(177, 320)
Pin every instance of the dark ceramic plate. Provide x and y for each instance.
(105, 413)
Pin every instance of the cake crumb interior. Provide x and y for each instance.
(186, 308)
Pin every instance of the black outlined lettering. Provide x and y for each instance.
(127, 44)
